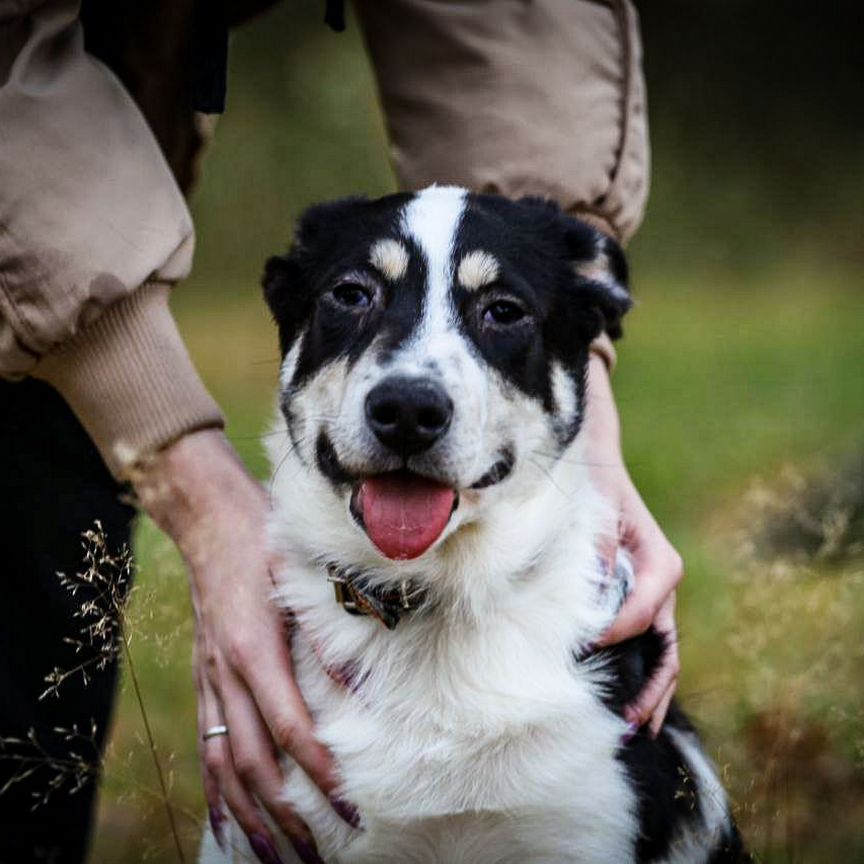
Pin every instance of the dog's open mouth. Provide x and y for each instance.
(402, 513)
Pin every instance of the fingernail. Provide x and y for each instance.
(630, 734)
(306, 851)
(264, 849)
(347, 811)
(217, 818)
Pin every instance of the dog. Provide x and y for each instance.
(431, 492)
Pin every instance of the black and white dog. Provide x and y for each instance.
(430, 481)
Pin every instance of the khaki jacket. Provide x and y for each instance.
(517, 97)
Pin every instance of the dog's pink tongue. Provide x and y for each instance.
(404, 514)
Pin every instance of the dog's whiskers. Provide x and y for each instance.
(295, 443)
(549, 476)
(260, 436)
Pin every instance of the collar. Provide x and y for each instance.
(357, 597)
(387, 605)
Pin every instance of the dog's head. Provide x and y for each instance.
(434, 347)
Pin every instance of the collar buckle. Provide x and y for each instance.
(386, 606)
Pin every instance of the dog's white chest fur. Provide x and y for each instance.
(469, 734)
(501, 759)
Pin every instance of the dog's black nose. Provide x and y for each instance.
(408, 415)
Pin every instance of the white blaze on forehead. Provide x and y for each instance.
(390, 258)
(432, 219)
(476, 269)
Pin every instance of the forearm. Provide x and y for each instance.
(90, 212)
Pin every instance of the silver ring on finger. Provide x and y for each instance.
(214, 732)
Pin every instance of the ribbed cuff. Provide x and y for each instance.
(130, 381)
(602, 346)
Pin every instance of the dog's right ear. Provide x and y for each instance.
(601, 273)
(288, 279)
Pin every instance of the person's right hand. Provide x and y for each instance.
(198, 492)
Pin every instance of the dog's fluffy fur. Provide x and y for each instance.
(483, 728)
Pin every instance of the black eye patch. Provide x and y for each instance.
(329, 288)
(554, 273)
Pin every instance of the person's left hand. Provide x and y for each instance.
(657, 565)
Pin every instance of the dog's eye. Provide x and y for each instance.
(503, 312)
(352, 296)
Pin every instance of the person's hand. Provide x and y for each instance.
(198, 492)
(658, 567)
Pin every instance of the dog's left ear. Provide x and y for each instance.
(600, 269)
(283, 282)
(287, 278)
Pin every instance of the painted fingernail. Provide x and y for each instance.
(306, 851)
(217, 820)
(264, 849)
(347, 811)
(630, 734)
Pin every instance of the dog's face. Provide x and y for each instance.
(434, 350)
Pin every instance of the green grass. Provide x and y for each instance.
(719, 383)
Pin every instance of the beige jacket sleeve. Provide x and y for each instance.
(517, 97)
(89, 213)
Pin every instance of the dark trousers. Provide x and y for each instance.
(53, 486)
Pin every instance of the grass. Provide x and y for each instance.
(719, 384)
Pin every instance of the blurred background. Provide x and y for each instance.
(740, 386)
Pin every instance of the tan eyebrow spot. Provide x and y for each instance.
(390, 258)
(477, 269)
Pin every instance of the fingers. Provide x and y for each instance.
(241, 769)
(653, 702)
(257, 669)
(659, 715)
(659, 571)
(255, 763)
(670, 667)
(206, 714)
(288, 721)
(220, 781)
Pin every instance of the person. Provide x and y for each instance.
(98, 142)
